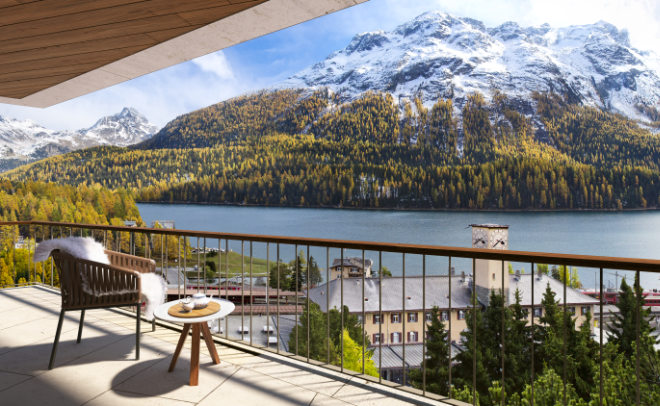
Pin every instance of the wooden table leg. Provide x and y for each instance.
(194, 355)
(179, 345)
(209, 343)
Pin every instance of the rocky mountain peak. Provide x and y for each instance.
(438, 55)
(25, 141)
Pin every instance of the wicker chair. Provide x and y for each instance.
(92, 285)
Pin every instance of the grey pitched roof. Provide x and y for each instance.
(437, 293)
(393, 355)
(523, 284)
(389, 358)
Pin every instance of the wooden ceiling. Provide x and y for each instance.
(47, 42)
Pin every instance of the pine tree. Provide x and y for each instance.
(437, 358)
(473, 343)
(623, 327)
(517, 351)
(319, 341)
(624, 331)
(549, 391)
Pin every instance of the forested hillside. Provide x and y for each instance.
(295, 148)
(24, 201)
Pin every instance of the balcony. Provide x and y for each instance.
(282, 305)
(102, 370)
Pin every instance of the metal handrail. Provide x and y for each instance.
(590, 261)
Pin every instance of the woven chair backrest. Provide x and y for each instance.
(87, 284)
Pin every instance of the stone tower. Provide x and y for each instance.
(488, 272)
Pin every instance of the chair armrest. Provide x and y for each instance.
(128, 261)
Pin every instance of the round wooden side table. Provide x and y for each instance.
(198, 325)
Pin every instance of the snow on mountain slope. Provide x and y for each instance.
(443, 56)
(25, 141)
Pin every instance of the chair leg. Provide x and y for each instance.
(137, 332)
(82, 317)
(57, 340)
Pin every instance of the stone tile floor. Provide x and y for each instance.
(102, 369)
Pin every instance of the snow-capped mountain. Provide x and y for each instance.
(444, 56)
(25, 141)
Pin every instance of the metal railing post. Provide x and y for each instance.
(251, 292)
(600, 340)
(532, 336)
(504, 304)
(380, 316)
(52, 265)
(327, 302)
(474, 331)
(278, 298)
(295, 276)
(307, 297)
(638, 305)
(227, 284)
(242, 290)
(424, 325)
(564, 331)
(403, 316)
(449, 343)
(268, 295)
(341, 331)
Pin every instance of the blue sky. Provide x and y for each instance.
(253, 65)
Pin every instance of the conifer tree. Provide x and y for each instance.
(437, 358)
(624, 331)
(517, 349)
(473, 341)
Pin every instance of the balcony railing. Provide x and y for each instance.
(282, 284)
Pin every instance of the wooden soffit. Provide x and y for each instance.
(55, 50)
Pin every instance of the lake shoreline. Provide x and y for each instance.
(625, 234)
(405, 209)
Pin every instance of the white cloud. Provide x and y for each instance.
(215, 63)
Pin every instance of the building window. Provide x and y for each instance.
(378, 318)
(413, 337)
(571, 310)
(538, 312)
(429, 316)
(461, 315)
(412, 317)
(395, 338)
(376, 339)
(586, 310)
(395, 318)
(444, 316)
(493, 275)
(359, 317)
(526, 313)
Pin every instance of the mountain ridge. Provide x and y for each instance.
(441, 56)
(24, 141)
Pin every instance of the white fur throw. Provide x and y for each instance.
(154, 287)
(154, 292)
(83, 248)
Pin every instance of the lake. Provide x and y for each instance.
(623, 234)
